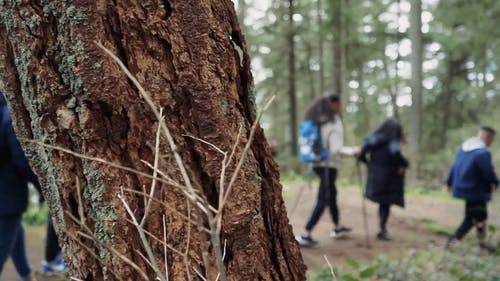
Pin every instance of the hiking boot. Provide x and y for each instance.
(488, 246)
(340, 232)
(451, 243)
(481, 233)
(306, 241)
(29, 278)
(56, 266)
(384, 236)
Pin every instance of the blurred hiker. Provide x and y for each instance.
(325, 113)
(53, 263)
(386, 169)
(472, 177)
(15, 174)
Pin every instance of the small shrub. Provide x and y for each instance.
(36, 216)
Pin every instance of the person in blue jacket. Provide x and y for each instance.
(472, 177)
(386, 169)
(15, 174)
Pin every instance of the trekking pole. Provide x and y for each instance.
(363, 206)
(299, 194)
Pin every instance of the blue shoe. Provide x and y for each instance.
(57, 266)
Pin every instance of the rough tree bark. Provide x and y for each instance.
(192, 59)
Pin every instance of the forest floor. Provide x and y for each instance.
(423, 223)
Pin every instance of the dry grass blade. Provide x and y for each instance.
(334, 278)
(155, 174)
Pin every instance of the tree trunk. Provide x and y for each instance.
(321, 57)
(447, 99)
(393, 91)
(416, 80)
(337, 66)
(191, 57)
(455, 68)
(309, 71)
(339, 49)
(292, 99)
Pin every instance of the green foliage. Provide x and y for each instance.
(36, 216)
(466, 261)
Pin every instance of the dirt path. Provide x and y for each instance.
(415, 227)
(411, 228)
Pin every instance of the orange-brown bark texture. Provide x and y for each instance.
(191, 57)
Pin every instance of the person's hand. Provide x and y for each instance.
(401, 171)
(493, 187)
(447, 188)
(357, 152)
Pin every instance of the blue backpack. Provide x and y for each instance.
(311, 148)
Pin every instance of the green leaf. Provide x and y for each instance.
(492, 229)
(367, 272)
(455, 272)
(352, 262)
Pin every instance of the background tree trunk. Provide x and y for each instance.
(339, 49)
(192, 59)
(292, 98)
(415, 33)
(321, 56)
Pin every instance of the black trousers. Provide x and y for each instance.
(327, 196)
(383, 213)
(475, 215)
(52, 248)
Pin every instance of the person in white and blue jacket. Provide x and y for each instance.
(472, 178)
(15, 173)
(326, 112)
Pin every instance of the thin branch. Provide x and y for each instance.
(143, 238)
(236, 143)
(240, 163)
(146, 260)
(206, 142)
(158, 240)
(161, 173)
(188, 241)
(199, 274)
(114, 251)
(91, 252)
(225, 164)
(164, 205)
(151, 104)
(111, 164)
(155, 174)
(80, 202)
(165, 246)
(165, 129)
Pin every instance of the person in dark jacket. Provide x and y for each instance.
(472, 177)
(386, 169)
(15, 174)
